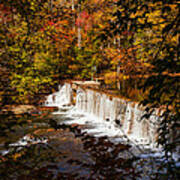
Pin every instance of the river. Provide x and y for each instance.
(71, 143)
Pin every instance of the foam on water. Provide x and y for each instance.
(59, 98)
(22, 142)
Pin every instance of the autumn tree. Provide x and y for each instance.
(36, 46)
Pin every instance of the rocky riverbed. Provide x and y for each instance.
(39, 148)
(34, 146)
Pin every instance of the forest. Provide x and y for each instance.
(132, 47)
(117, 41)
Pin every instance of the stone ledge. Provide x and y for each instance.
(23, 109)
(92, 84)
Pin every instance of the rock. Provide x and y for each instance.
(117, 122)
(92, 84)
(74, 125)
(44, 131)
(46, 108)
(21, 109)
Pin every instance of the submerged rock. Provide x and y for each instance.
(118, 122)
(48, 108)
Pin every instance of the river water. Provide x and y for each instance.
(72, 143)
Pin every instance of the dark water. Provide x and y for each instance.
(37, 147)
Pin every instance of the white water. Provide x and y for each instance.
(24, 141)
(60, 98)
(108, 115)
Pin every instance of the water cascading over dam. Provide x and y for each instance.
(122, 114)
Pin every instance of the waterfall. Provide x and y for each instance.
(61, 97)
(120, 113)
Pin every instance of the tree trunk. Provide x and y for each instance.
(72, 5)
(118, 67)
(79, 26)
(118, 81)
